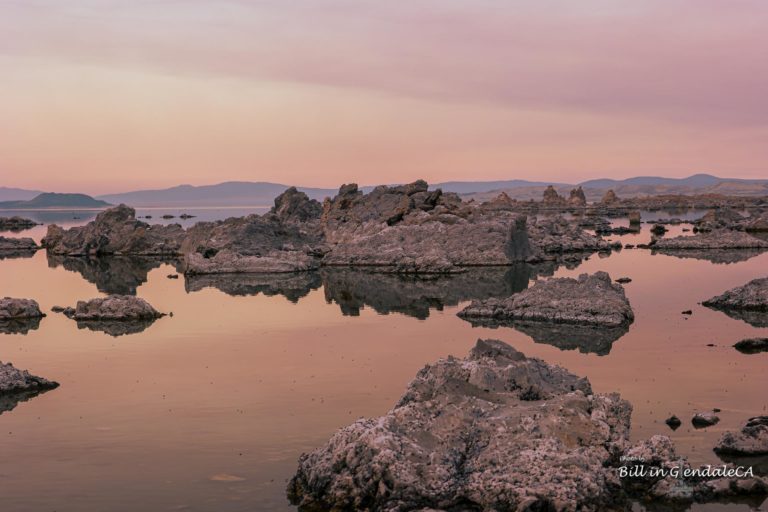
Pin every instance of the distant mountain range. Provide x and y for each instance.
(245, 193)
(53, 200)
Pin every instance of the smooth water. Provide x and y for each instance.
(208, 410)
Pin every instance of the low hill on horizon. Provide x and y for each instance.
(55, 200)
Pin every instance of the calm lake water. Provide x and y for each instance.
(208, 410)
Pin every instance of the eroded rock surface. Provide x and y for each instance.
(115, 315)
(718, 239)
(751, 440)
(10, 246)
(753, 296)
(16, 223)
(588, 300)
(19, 316)
(19, 385)
(115, 231)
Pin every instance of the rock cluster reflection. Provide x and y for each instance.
(293, 286)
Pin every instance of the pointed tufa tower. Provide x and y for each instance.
(577, 197)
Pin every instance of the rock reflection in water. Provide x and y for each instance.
(414, 295)
(754, 318)
(115, 327)
(293, 286)
(717, 256)
(13, 254)
(586, 339)
(19, 325)
(9, 401)
(111, 274)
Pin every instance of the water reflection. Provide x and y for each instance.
(16, 253)
(293, 286)
(416, 295)
(9, 401)
(19, 325)
(115, 328)
(753, 318)
(586, 339)
(111, 274)
(717, 256)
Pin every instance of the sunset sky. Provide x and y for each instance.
(104, 95)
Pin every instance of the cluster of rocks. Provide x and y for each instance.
(16, 223)
(404, 229)
(499, 431)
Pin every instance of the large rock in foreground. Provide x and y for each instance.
(751, 440)
(589, 300)
(496, 431)
(115, 231)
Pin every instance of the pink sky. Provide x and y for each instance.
(106, 95)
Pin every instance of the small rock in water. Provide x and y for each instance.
(687, 312)
(705, 419)
(172, 276)
(673, 422)
(623, 280)
(752, 345)
(752, 440)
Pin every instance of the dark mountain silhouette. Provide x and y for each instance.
(54, 200)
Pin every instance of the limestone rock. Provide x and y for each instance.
(295, 206)
(13, 380)
(751, 440)
(113, 307)
(552, 198)
(717, 239)
(753, 296)
(609, 198)
(577, 197)
(17, 245)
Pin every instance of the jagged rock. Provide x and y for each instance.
(13, 380)
(577, 197)
(17, 245)
(500, 202)
(555, 235)
(588, 300)
(115, 231)
(552, 198)
(609, 198)
(476, 434)
(634, 218)
(720, 218)
(752, 345)
(252, 244)
(751, 440)
(718, 239)
(295, 206)
(16, 223)
(704, 419)
(19, 316)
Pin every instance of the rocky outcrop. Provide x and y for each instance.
(610, 198)
(552, 198)
(13, 381)
(757, 223)
(552, 236)
(16, 223)
(10, 246)
(115, 231)
(752, 296)
(295, 206)
(497, 431)
(577, 198)
(720, 218)
(589, 300)
(251, 244)
(751, 440)
(717, 239)
(115, 315)
(705, 419)
(19, 316)
(752, 345)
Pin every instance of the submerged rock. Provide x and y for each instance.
(19, 316)
(752, 345)
(751, 440)
(705, 419)
(498, 431)
(588, 300)
(115, 231)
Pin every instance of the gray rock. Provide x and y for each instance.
(17, 245)
(13, 380)
(752, 345)
(115, 231)
(717, 256)
(751, 440)
(476, 434)
(19, 316)
(16, 223)
(552, 236)
(577, 197)
(113, 307)
(757, 223)
(295, 206)
(704, 419)
(588, 300)
(720, 218)
(752, 298)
